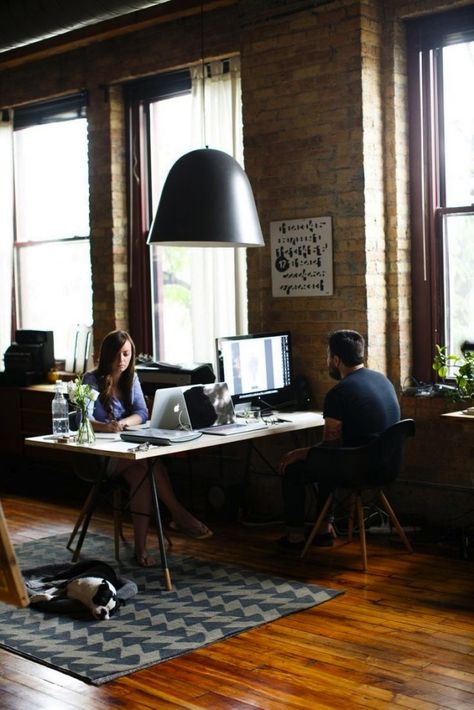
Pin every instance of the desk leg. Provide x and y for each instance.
(159, 527)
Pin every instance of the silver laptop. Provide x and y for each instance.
(210, 410)
(169, 409)
(169, 421)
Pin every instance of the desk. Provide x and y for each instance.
(110, 445)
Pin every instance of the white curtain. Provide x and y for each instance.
(217, 271)
(6, 231)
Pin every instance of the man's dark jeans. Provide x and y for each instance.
(324, 466)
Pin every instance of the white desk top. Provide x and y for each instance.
(112, 445)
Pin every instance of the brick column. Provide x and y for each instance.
(108, 212)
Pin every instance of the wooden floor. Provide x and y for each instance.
(402, 635)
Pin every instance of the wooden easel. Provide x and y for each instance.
(12, 585)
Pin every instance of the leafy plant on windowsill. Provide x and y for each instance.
(463, 365)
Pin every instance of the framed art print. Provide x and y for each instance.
(301, 253)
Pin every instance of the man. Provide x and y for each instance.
(363, 403)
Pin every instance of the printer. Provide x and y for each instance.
(156, 375)
(29, 359)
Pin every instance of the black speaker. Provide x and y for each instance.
(302, 392)
(33, 337)
(43, 342)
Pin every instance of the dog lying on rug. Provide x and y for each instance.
(94, 584)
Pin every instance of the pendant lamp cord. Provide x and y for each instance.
(203, 78)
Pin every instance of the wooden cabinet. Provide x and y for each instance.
(25, 411)
(10, 421)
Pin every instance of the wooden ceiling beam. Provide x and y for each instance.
(108, 29)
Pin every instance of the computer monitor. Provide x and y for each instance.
(257, 368)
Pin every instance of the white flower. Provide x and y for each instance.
(80, 393)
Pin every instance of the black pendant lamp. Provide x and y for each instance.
(207, 201)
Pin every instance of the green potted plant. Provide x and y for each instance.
(462, 365)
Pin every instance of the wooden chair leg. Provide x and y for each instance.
(118, 533)
(389, 510)
(350, 526)
(317, 525)
(82, 515)
(85, 525)
(360, 516)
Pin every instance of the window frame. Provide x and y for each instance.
(66, 108)
(137, 97)
(426, 36)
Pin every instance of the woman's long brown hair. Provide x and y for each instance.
(111, 346)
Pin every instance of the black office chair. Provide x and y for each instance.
(102, 488)
(371, 467)
(108, 489)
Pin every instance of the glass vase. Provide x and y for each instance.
(85, 433)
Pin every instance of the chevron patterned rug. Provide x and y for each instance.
(209, 602)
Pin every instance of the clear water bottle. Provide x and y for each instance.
(60, 410)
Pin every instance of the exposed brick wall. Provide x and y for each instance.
(301, 79)
(396, 180)
(103, 254)
(376, 247)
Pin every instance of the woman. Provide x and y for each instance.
(121, 404)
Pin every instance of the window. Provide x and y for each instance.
(51, 246)
(195, 294)
(170, 137)
(441, 76)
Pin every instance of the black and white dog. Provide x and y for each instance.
(93, 583)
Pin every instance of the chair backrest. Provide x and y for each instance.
(385, 453)
(376, 462)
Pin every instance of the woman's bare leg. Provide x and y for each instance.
(142, 507)
(183, 519)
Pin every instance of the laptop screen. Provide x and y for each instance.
(209, 405)
(169, 409)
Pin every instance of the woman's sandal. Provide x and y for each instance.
(144, 560)
(198, 533)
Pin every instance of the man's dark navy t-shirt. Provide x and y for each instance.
(365, 402)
